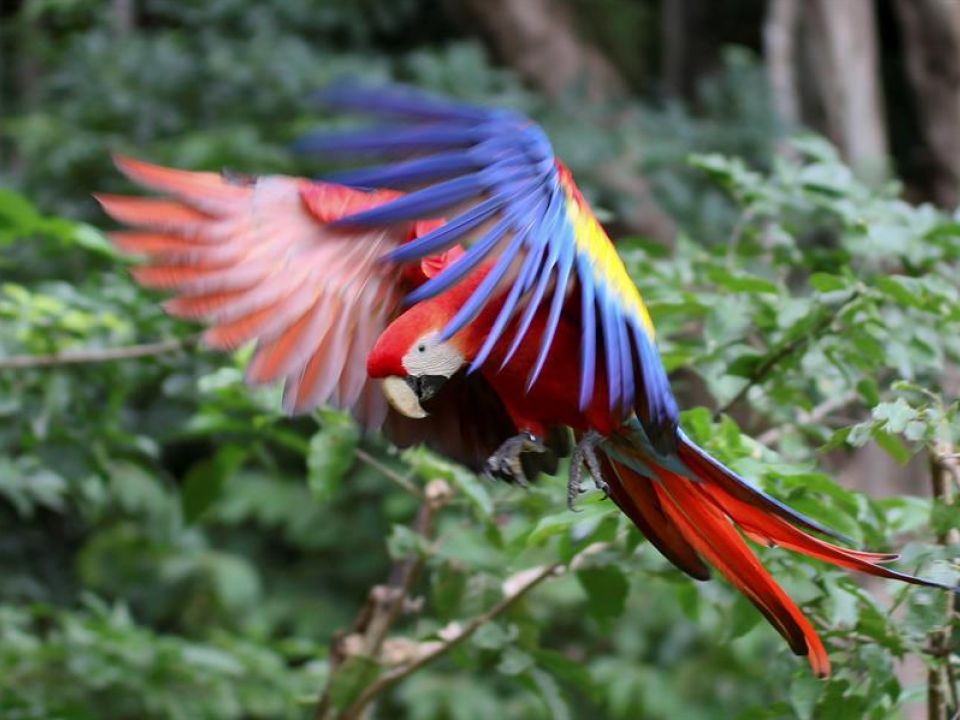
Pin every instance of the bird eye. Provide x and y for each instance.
(422, 348)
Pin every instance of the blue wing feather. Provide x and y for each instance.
(463, 265)
(419, 204)
(626, 362)
(447, 234)
(611, 340)
(499, 165)
(520, 287)
(484, 290)
(553, 319)
(432, 167)
(550, 221)
(588, 321)
(387, 140)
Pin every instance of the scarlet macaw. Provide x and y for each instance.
(490, 332)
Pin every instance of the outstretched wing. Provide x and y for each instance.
(494, 174)
(259, 260)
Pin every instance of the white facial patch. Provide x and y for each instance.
(429, 356)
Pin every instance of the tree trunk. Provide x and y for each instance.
(674, 34)
(841, 39)
(538, 38)
(931, 38)
(780, 51)
(124, 17)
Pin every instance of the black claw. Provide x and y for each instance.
(585, 457)
(506, 464)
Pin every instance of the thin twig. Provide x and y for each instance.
(388, 472)
(388, 680)
(385, 603)
(788, 349)
(80, 357)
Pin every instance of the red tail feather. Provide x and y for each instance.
(695, 518)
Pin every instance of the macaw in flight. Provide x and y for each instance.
(463, 295)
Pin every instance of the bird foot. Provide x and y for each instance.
(506, 463)
(584, 457)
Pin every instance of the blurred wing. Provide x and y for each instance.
(494, 174)
(259, 261)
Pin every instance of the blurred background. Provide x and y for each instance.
(171, 546)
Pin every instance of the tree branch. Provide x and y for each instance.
(543, 42)
(385, 603)
(779, 46)
(388, 680)
(388, 472)
(539, 38)
(82, 357)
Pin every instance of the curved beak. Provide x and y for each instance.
(406, 394)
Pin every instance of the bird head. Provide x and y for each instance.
(413, 362)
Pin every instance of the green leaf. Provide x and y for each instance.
(825, 283)
(743, 617)
(204, 482)
(606, 589)
(805, 691)
(494, 635)
(893, 446)
(895, 415)
(430, 466)
(353, 676)
(405, 542)
(514, 661)
(331, 454)
(746, 365)
(742, 282)
(551, 694)
(590, 509)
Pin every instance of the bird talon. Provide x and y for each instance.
(584, 457)
(505, 461)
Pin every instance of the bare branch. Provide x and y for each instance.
(391, 474)
(385, 603)
(388, 680)
(101, 355)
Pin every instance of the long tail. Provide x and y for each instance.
(690, 507)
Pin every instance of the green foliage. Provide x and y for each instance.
(173, 546)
